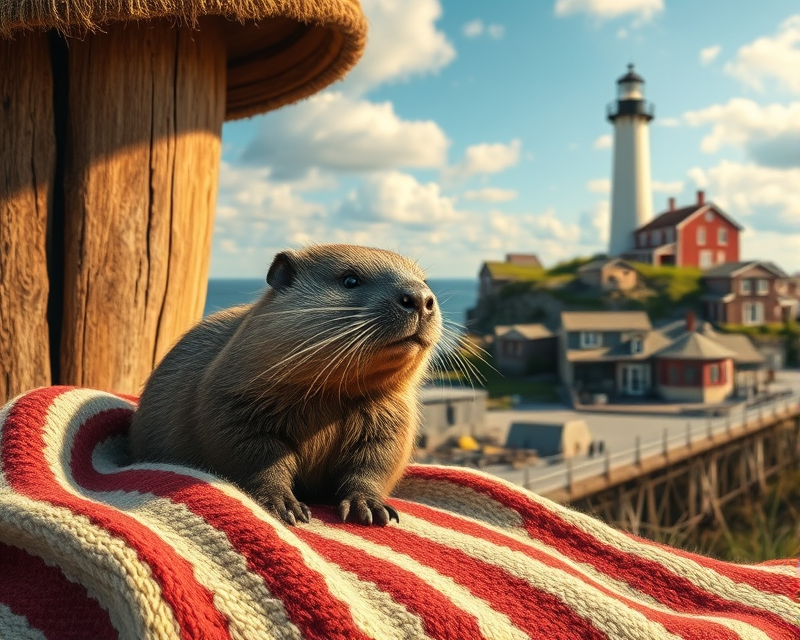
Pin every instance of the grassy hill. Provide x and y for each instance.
(662, 292)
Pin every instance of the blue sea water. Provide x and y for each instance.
(455, 296)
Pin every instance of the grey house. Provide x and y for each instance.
(608, 351)
(524, 348)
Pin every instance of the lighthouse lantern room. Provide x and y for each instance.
(631, 192)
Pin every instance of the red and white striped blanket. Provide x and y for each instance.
(92, 548)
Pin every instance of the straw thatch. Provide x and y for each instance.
(278, 51)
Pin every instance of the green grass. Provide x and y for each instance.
(570, 267)
(516, 272)
(788, 333)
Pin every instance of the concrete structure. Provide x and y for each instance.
(698, 235)
(521, 349)
(449, 413)
(567, 439)
(609, 274)
(631, 193)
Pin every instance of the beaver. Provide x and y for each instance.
(310, 393)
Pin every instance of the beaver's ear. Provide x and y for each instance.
(282, 272)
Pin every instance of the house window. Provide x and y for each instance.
(636, 344)
(512, 348)
(706, 259)
(713, 373)
(690, 374)
(673, 374)
(762, 287)
(669, 235)
(722, 236)
(656, 236)
(753, 313)
(591, 339)
(720, 256)
(643, 239)
(701, 236)
(747, 287)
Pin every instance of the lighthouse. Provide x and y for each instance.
(631, 192)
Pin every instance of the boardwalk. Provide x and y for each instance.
(631, 439)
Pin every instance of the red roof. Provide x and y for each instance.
(675, 217)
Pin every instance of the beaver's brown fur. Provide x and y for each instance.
(310, 392)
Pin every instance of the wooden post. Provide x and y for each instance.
(28, 153)
(688, 434)
(146, 105)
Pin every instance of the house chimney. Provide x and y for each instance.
(672, 204)
(691, 322)
(701, 198)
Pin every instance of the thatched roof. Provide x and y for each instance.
(279, 51)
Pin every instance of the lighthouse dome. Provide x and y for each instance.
(631, 76)
(630, 86)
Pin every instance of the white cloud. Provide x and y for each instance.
(709, 54)
(397, 197)
(673, 187)
(601, 185)
(765, 198)
(403, 42)
(595, 228)
(609, 9)
(496, 31)
(487, 158)
(248, 193)
(475, 28)
(340, 133)
(776, 58)
(669, 122)
(622, 34)
(603, 142)
(781, 248)
(491, 194)
(770, 134)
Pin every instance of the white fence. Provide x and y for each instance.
(537, 479)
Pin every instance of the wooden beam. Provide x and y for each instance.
(28, 144)
(146, 105)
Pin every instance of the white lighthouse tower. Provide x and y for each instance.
(631, 192)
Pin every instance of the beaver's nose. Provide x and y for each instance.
(418, 301)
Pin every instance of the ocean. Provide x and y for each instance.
(455, 296)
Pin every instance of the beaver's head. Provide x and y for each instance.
(352, 316)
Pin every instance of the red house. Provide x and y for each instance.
(700, 235)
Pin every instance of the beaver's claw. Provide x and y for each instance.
(367, 510)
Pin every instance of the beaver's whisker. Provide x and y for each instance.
(330, 336)
(331, 365)
(281, 371)
(353, 356)
(314, 339)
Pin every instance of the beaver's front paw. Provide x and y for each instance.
(287, 508)
(367, 509)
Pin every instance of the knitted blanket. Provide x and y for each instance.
(91, 547)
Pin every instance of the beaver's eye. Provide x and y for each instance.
(350, 281)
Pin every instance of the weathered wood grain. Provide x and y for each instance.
(27, 166)
(146, 105)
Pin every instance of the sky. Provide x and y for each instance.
(471, 129)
